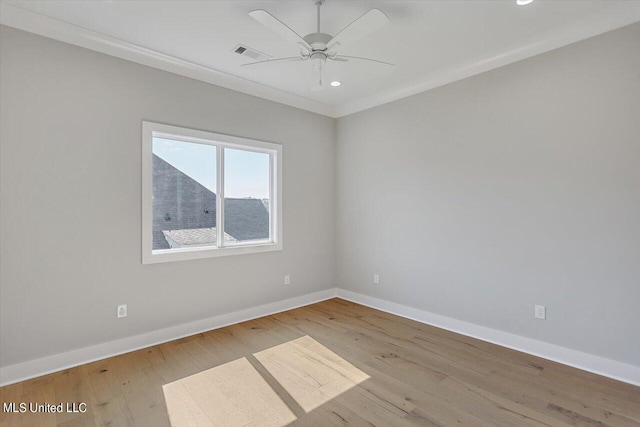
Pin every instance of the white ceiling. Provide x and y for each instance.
(431, 42)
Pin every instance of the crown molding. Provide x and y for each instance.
(22, 19)
(550, 41)
(26, 20)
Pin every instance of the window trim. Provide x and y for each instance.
(220, 141)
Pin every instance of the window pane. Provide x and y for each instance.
(246, 194)
(184, 198)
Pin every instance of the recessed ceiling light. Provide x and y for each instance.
(523, 2)
(335, 83)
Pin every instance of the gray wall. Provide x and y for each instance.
(516, 187)
(477, 200)
(70, 211)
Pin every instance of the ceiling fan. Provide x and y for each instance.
(318, 47)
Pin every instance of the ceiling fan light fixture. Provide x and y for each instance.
(335, 83)
(319, 48)
(523, 2)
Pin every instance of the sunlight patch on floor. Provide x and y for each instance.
(311, 373)
(229, 395)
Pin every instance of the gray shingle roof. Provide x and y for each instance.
(183, 208)
(179, 202)
(246, 219)
(194, 237)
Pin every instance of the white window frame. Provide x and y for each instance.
(220, 141)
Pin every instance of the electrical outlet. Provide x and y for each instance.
(122, 311)
(540, 312)
(287, 280)
(376, 279)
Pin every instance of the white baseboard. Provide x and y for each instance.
(577, 359)
(587, 362)
(46, 365)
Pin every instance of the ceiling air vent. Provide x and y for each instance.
(251, 53)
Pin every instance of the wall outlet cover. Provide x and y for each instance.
(122, 311)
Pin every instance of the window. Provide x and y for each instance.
(206, 194)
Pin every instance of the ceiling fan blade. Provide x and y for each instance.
(366, 24)
(289, 59)
(357, 58)
(274, 24)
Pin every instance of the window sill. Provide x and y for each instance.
(185, 254)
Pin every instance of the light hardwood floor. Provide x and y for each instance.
(396, 372)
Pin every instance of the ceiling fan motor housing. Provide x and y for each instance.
(318, 41)
(318, 57)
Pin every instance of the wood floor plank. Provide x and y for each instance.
(182, 408)
(354, 365)
(311, 373)
(235, 395)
